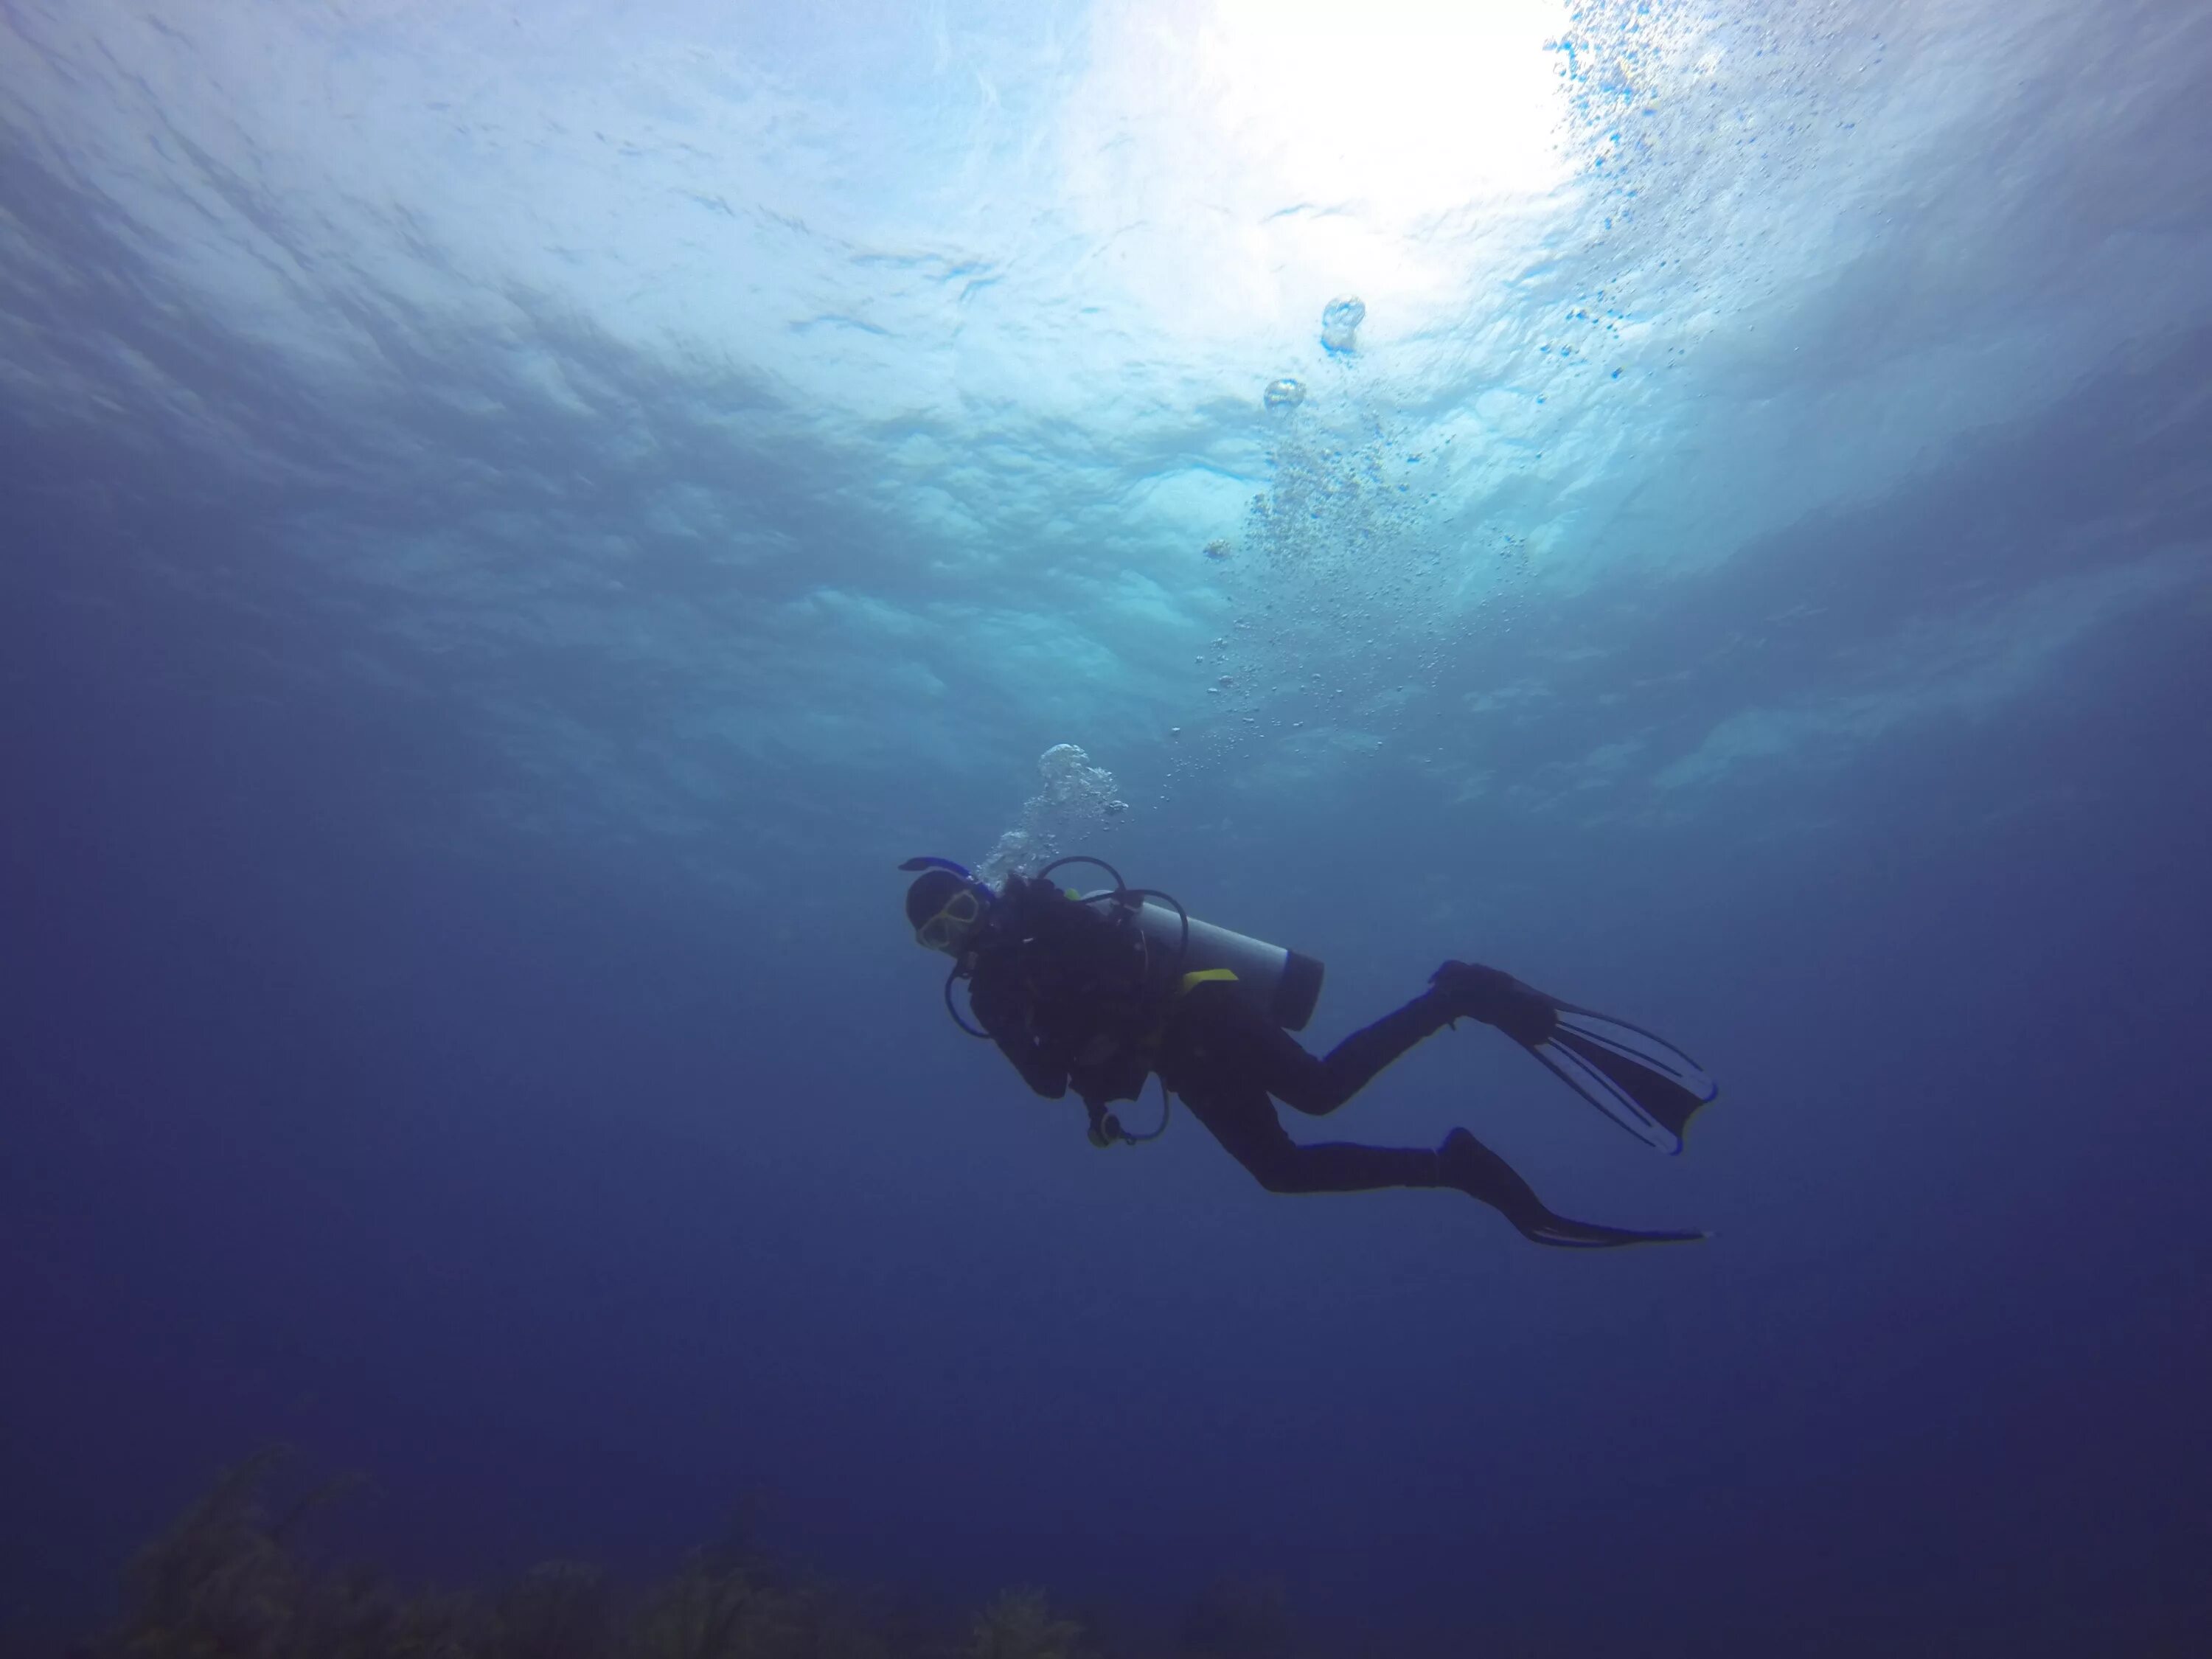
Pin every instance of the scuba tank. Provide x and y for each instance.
(1285, 984)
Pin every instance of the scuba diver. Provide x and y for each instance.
(1096, 993)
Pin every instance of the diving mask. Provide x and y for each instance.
(949, 928)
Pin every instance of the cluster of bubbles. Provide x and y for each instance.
(1343, 586)
(1075, 802)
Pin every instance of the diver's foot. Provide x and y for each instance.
(1469, 990)
(1464, 1163)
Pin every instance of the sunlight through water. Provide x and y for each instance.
(1263, 153)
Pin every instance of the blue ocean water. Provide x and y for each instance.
(514, 521)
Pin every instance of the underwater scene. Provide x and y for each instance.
(1105, 829)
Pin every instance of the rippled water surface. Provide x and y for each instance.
(515, 519)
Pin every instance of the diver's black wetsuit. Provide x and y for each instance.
(1075, 1001)
(1063, 993)
(1224, 1057)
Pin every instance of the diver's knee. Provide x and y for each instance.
(1279, 1175)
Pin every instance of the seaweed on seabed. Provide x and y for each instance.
(1019, 1625)
(1239, 1619)
(224, 1579)
(734, 1601)
(229, 1581)
(709, 1611)
(558, 1611)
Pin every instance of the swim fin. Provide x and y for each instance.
(1464, 1163)
(1637, 1078)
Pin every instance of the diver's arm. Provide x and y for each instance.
(1000, 1010)
(1038, 1069)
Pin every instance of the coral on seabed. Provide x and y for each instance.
(1020, 1626)
(229, 1581)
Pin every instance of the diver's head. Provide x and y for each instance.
(945, 909)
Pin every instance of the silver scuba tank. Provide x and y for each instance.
(1285, 983)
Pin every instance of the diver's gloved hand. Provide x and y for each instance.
(1105, 1129)
(1496, 998)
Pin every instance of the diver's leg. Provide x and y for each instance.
(1215, 1019)
(1225, 1059)
(1243, 1119)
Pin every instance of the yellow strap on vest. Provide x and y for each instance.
(1150, 1043)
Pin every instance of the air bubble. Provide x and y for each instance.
(1076, 800)
(1339, 323)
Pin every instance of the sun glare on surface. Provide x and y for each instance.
(1280, 151)
(1411, 108)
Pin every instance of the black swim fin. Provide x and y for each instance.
(1638, 1078)
(1464, 1163)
